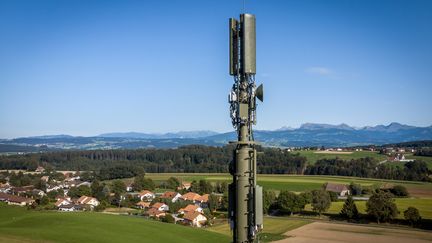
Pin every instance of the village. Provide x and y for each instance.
(177, 203)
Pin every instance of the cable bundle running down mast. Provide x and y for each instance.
(245, 197)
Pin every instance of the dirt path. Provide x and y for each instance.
(319, 232)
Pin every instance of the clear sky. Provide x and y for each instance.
(89, 67)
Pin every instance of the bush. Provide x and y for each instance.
(333, 196)
(168, 219)
(399, 191)
(355, 188)
(412, 215)
(289, 202)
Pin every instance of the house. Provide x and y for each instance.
(184, 185)
(15, 200)
(37, 192)
(195, 219)
(146, 195)
(154, 212)
(142, 205)
(62, 201)
(173, 196)
(129, 187)
(45, 178)
(190, 196)
(203, 200)
(93, 202)
(40, 169)
(5, 188)
(340, 189)
(22, 190)
(70, 208)
(160, 206)
(53, 188)
(84, 183)
(190, 208)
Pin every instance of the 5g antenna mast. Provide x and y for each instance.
(245, 196)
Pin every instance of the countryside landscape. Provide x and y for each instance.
(215, 121)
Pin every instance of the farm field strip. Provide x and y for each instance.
(423, 205)
(300, 183)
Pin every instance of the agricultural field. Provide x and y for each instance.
(324, 232)
(424, 205)
(313, 156)
(21, 225)
(274, 228)
(299, 183)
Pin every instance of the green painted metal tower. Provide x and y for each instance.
(245, 196)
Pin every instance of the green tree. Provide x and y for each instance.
(412, 215)
(356, 189)
(213, 202)
(79, 191)
(269, 199)
(399, 191)
(118, 187)
(173, 183)
(349, 209)
(43, 201)
(168, 219)
(381, 206)
(205, 187)
(320, 201)
(289, 202)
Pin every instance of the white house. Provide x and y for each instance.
(129, 187)
(340, 189)
(190, 208)
(146, 195)
(160, 206)
(70, 208)
(173, 196)
(62, 202)
(195, 219)
(93, 202)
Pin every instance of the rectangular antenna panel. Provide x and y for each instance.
(248, 43)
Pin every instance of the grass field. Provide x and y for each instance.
(424, 205)
(299, 183)
(313, 156)
(21, 225)
(274, 228)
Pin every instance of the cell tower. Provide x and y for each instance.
(245, 196)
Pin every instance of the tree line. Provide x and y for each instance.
(114, 164)
(370, 168)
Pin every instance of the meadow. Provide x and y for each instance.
(299, 183)
(274, 228)
(312, 156)
(424, 205)
(21, 225)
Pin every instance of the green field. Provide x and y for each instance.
(21, 225)
(423, 205)
(273, 227)
(312, 156)
(299, 183)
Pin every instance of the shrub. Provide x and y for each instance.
(412, 215)
(399, 191)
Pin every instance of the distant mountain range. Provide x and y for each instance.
(308, 134)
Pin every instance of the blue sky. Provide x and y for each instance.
(89, 67)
